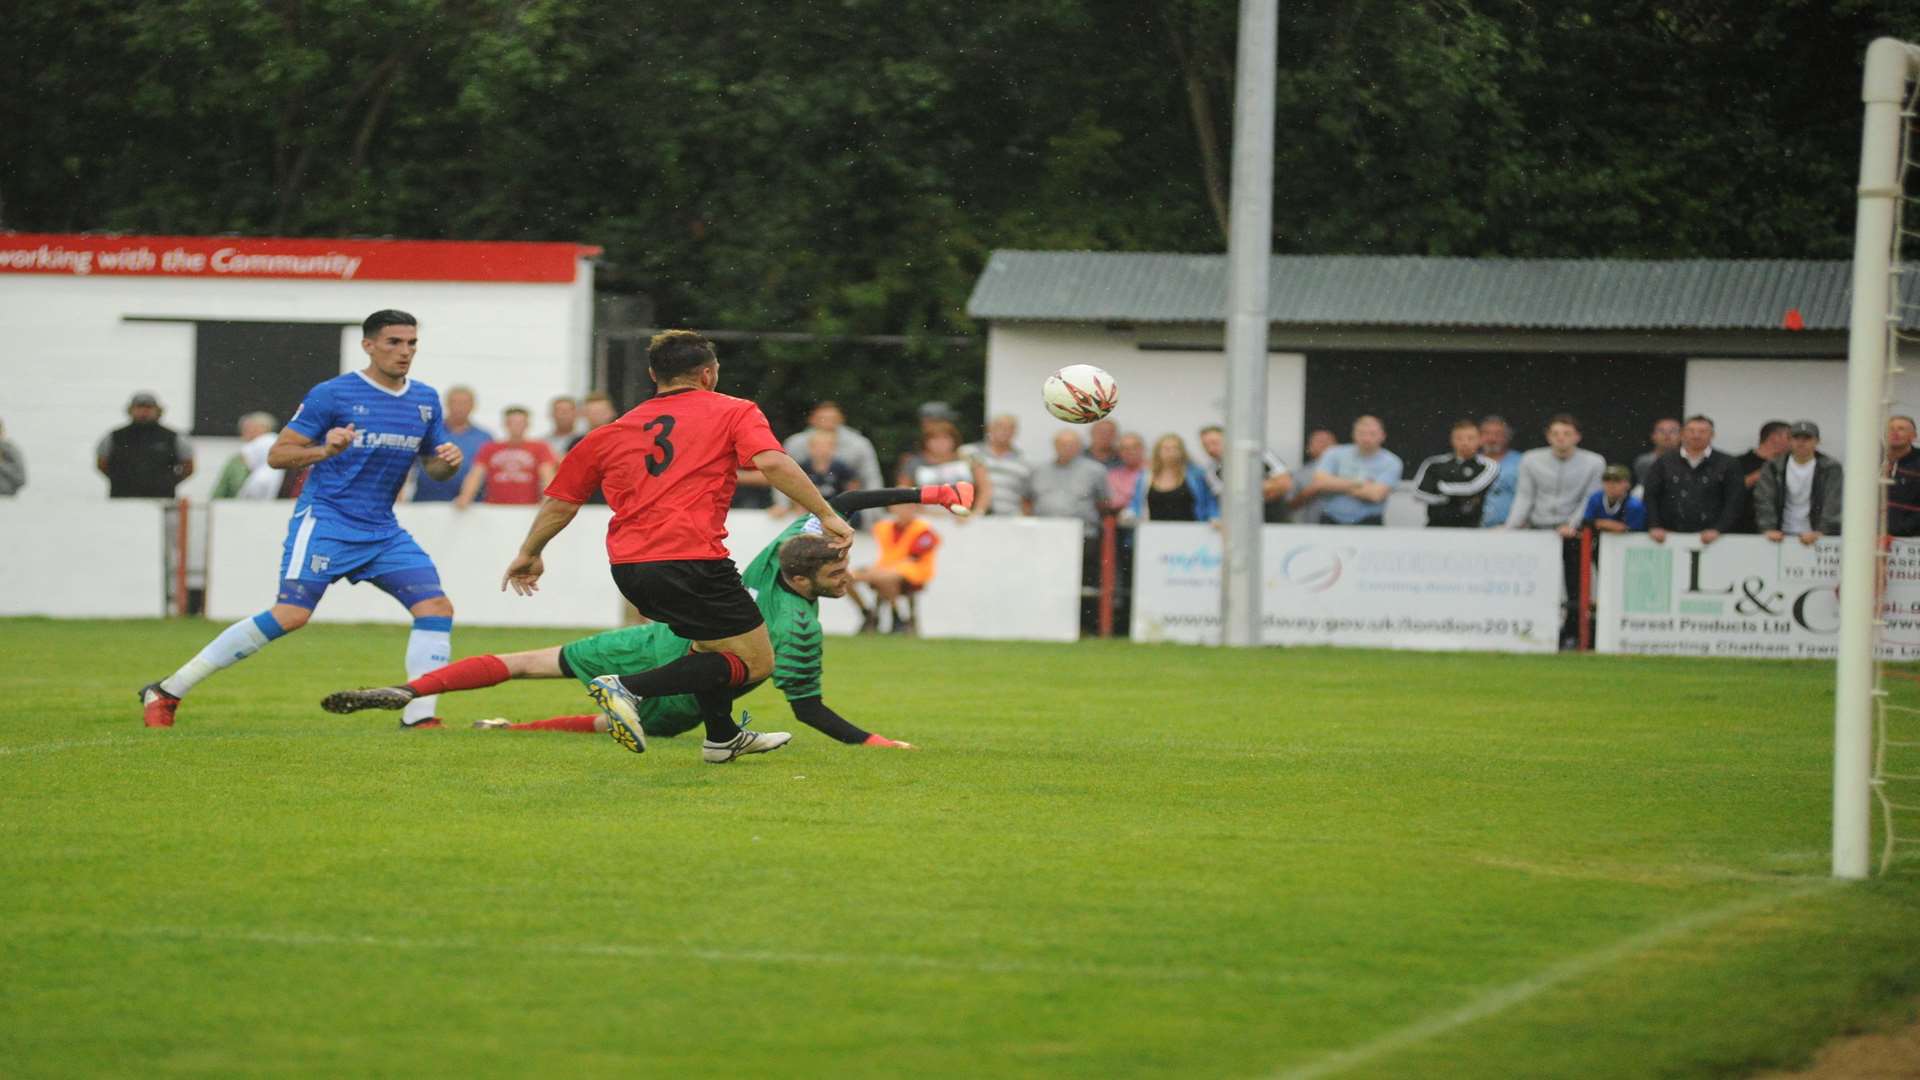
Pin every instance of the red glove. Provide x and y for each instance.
(882, 740)
(955, 497)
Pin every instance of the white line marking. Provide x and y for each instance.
(1506, 997)
(894, 961)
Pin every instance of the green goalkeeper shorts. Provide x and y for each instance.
(629, 650)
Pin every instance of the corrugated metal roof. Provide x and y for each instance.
(1360, 290)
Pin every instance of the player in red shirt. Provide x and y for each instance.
(514, 469)
(668, 470)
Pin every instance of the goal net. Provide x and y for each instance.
(1876, 776)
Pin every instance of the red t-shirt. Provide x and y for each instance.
(667, 469)
(513, 471)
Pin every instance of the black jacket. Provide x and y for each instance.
(1683, 498)
(1454, 490)
(1903, 495)
(1823, 510)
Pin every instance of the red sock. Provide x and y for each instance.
(583, 724)
(470, 674)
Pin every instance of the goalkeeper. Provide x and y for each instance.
(787, 578)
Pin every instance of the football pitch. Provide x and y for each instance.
(1106, 860)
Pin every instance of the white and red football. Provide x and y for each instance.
(1080, 393)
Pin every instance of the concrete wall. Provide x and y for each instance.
(83, 557)
(1741, 395)
(1161, 391)
(70, 359)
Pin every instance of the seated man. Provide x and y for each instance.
(903, 567)
(787, 577)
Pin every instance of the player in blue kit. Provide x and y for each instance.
(360, 432)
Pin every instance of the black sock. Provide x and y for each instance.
(852, 502)
(814, 713)
(716, 712)
(694, 673)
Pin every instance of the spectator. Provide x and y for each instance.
(1103, 443)
(1615, 508)
(143, 460)
(565, 413)
(254, 427)
(514, 470)
(1694, 489)
(1799, 491)
(1309, 509)
(903, 567)
(1007, 470)
(849, 445)
(829, 474)
(13, 466)
(1665, 438)
(1454, 485)
(598, 410)
(1496, 445)
(1124, 476)
(938, 461)
(1276, 482)
(1357, 478)
(1903, 472)
(1173, 488)
(1071, 485)
(1556, 480)
(461, 432)
(1770, 446)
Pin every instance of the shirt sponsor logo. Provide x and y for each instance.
(385, 440)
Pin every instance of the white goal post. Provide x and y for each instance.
(1891, 67)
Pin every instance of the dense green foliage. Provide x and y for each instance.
(845, 166)
(1145, 861)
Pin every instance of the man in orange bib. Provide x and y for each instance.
(904, 566)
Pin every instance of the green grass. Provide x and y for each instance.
(1106, 861)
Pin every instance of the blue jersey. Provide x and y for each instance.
(350, 496)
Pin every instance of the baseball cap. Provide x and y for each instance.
(1804, 427)
(1617, 472)
(143, 398)
(938, 410)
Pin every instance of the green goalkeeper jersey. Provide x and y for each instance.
(793, 625)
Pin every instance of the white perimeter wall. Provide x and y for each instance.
(82, 557)
(69, 361)
(1741, 395)
(1160, 391)
(1009, 579)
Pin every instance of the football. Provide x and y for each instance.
(1080, 393)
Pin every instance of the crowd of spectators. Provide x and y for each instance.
(1783, 488)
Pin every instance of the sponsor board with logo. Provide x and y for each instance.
(1325, 585)
(1741, 596)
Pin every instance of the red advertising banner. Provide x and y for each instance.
(308, 260)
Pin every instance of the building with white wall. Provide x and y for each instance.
(1423, 341)
(220, 326)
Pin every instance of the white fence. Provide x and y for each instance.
(83, 557)
(1468, 589)
(983, 566)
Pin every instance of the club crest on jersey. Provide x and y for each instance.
(360, 410)
(319, 563)
(426, 414)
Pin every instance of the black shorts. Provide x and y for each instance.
(697, 599)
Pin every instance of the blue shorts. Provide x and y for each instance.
(395, 564)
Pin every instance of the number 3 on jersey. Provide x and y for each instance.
(661, 426)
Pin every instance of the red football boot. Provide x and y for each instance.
(157, 706)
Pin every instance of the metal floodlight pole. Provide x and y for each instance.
(1249, 258)
(1883, 88)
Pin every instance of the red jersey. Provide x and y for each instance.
(667, 470)
(513, 471)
